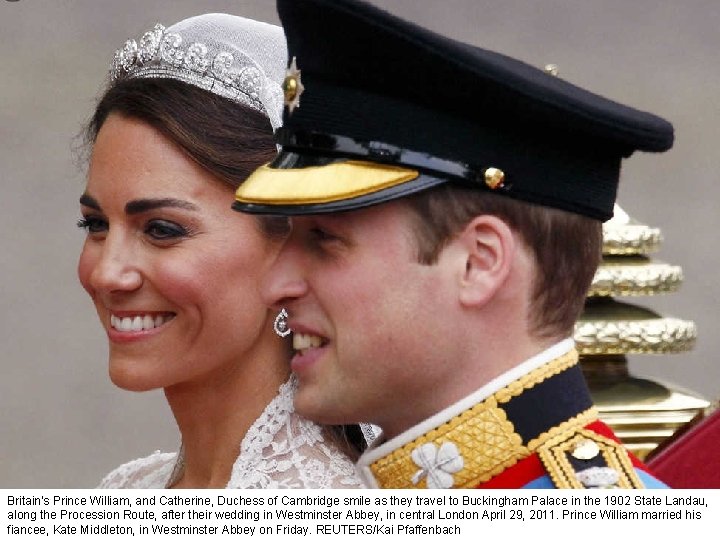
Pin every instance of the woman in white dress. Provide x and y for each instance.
(173, 271)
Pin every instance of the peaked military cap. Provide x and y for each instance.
(378, 108)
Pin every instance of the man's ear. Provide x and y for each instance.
(488, 246)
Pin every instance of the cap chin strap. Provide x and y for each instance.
(319, 148)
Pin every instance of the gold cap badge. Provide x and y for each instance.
(292, 86)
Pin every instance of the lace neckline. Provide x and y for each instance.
(280, 450)
(260, 434)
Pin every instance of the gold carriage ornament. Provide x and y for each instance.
(642, 412)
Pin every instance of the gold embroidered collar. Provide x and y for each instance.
(490, 436)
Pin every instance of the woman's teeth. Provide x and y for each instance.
(137, 323)
(302, 342)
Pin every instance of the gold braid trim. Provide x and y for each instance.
(536, 376)
(573, 425)
(484, 437)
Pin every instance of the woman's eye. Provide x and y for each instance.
(164, 230)
(93, 224)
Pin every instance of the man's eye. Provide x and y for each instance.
(322, 235)
(93, 224)
(163, 230)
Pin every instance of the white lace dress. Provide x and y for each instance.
(280, 450)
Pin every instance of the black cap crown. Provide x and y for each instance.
(368, 88)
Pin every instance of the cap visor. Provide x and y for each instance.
(320, 184)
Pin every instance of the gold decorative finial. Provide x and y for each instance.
(292, 86)
(552, 69)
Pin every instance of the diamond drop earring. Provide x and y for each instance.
(281, 324)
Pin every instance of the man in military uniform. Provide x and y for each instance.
(446, 205)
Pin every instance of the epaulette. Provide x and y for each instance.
(581, 458)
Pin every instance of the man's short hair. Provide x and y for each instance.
(566, 247)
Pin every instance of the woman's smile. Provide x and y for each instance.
(139, 322)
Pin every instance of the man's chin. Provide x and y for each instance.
(309, 405)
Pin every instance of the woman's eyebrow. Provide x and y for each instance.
(90, 202)
(143, 205)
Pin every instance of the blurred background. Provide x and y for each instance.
(64, 425)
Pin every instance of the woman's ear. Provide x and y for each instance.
(488, 246)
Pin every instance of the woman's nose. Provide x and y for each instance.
(115, 269)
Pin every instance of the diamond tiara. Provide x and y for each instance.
(217, 64)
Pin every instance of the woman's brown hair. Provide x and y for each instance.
(228, 139)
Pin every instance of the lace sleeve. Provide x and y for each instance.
(152, 471)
